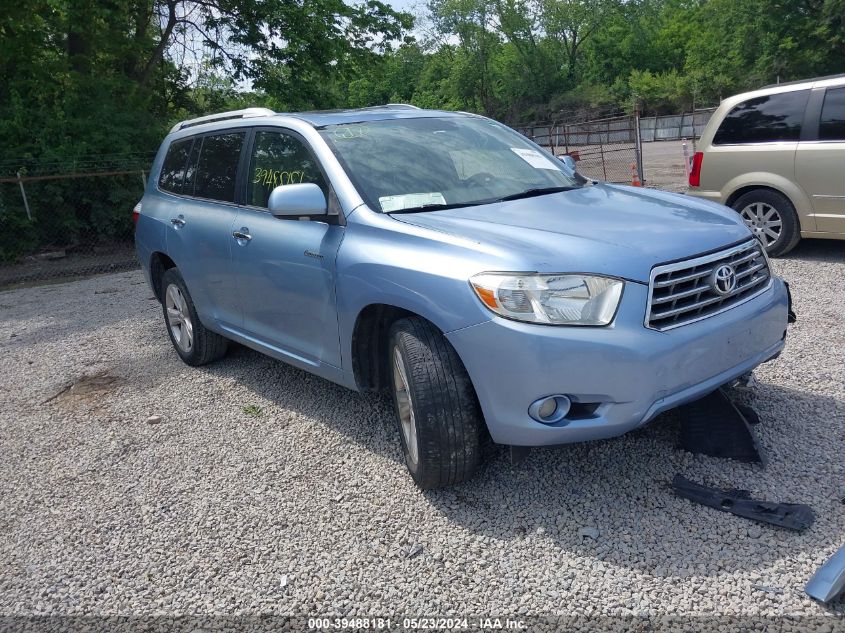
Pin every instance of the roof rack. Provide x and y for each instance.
(247, 113)
(386, 106)
(803, 81)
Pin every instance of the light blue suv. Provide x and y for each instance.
(445, 258)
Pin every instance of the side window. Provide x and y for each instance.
(173, 168)
(191, 168)
(775, 117)
(279, 159)
(217, 166)
(832, 123)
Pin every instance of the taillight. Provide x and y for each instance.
(136, 211)
(695, 172)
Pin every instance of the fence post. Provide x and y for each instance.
(638, 147)
(143, 178)
(23, 195)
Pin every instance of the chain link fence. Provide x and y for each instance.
(605, 145)
(60, 220)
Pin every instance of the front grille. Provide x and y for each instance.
(686, 291)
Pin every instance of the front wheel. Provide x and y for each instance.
(440, 421)
(772, 218)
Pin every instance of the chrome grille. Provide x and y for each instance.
(686, 291)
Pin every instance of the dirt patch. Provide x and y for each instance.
(87, 388)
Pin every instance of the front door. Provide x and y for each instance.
(285, 268)
(819, 165)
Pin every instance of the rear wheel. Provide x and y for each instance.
(195, 344)
(440, 421)
(772, 218)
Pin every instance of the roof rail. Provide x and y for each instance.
(803, 81)
(247, 113)
(391, 105)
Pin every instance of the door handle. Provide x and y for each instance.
(242, 234)
(177, 222)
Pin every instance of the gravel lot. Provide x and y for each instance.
(264, 489)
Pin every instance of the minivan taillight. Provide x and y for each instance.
(695, 172)
(136, 211)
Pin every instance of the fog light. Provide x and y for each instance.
(550, 410)
(547, 409)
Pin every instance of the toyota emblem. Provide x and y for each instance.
(723, 280)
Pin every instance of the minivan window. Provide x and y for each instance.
(832, 123)
(217, 166)
(279, 159)
(173, 168)
(776, 117)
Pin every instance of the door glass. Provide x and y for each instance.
(191, 169)
(217, 166)
(279, 159)
(832, 123)
(173, 168)
(776, 117)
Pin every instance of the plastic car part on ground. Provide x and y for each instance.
(715, 426)
(794, 516)
(829, 581)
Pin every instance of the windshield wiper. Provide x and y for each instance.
(436, 206)
(536, 191)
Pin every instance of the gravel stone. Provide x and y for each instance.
(208, 513)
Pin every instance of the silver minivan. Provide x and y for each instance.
(777, 156)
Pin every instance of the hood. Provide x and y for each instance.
(607, 229)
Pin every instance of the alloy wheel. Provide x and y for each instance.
(765, 221)
(179, 318)
(407, 420)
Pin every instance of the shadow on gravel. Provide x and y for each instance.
(619, 487)
(818, 251)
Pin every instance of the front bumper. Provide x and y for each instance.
(622, 375)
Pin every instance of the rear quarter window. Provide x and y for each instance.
(772, 118)
(173, 168)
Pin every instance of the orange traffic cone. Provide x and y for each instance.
(635, 177)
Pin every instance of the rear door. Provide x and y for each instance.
(199, 238)
(285, 270)
(820, 161)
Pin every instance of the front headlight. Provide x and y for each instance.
(564, 299)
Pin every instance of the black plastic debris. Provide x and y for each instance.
(717, 427)
(794, 516)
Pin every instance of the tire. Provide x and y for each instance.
(442, 438)
(195, 344)
(759, 209)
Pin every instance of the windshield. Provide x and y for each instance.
(429, 163)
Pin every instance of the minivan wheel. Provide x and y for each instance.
(772, 218)
(440, 422)
(195, 344)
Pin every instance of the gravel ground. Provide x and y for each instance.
(264, 489)
(663, 165)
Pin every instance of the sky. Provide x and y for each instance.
(402, 5)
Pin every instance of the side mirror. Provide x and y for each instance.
(568, 162)
(295, 201)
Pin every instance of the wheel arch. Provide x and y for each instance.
(369, 343)
(771, 182)
(160, 263)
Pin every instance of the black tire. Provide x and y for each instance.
(790, 233)
(449, 425)
(207, 346)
